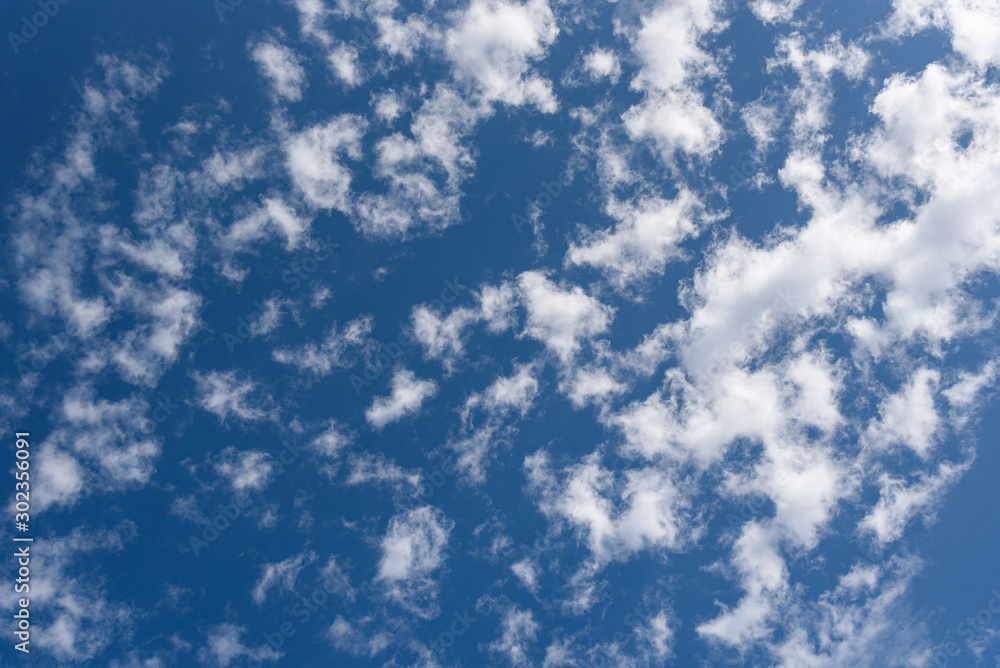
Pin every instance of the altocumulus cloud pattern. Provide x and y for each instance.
(500, 333)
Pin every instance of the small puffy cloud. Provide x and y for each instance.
(224, 647)
(657, 636)
(359, 638)
(764, 577)
(313, 159)
(331, 441)
(98, 445)
(648, 235)
(527, 572)
(408, 395)
(60, 478)
(244, 469)
(413, 551)
(387, 105)
(443, 338)
(774, 11)
(281, 575)
(900, 501)
(281, 67)
(519, 631)
(592, 384)
(424, 172)
(343, 62)
(377, 469)
(514, 393)
(645, 509)
(492, 44)
(488, 419)
(908, 417)
(602, 64)
(561, 318)
(169, 316)
(274, 216)
(230, 394)
(335, 352)
(673, 114)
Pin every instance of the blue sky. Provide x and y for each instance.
(372, 333)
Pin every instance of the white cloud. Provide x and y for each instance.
(514, 393)
(653, 511)
(273, 215)
(442, 338)
(487, 419)
(859, 628)
(313, 159)
(974, 25)
(60, 478)
(775, 11)
(908, 417)
(281, 575)
(387, 105)
(169, 318)
(519, 631)
(591, 384)
(405, 38)
(366, 468)
(527, 572)
(668, 46)
(602, 64)
(658, 635)
(764, 577)
(269, 319)
(492, 44)
(413, 552)
(224, 646)
(281, 67)
(360, 638)
(899, 501)
(332, 441)
(424, 172)
(244, 469)
(80, 620)
(408, 395)
(647, 235)
(231, 394)
(339, 349)
(97, 445)
(344, 65)
(559, 317)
